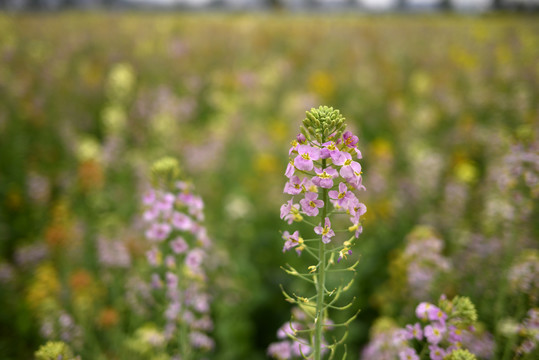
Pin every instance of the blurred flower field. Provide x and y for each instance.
(446, 109)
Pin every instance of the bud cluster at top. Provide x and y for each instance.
(323, 123)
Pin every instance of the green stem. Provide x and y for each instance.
(321, 283)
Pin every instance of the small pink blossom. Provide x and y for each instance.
(310, 204)
(324, 178)
(306, 155)
(326, 231)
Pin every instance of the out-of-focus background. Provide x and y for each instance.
(444, 98)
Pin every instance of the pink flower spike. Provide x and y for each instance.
(324, 178)
(310, 204)
(326, 231)
(306, 155)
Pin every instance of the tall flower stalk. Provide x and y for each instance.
(177, 258)
(324, 174)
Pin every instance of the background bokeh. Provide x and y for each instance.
(445, 107)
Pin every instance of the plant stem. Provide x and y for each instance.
(321, 283)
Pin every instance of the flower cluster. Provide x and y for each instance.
(524, 274)
(529, 329)
(325, 163)
(54, 350)
(424, 259)
(178, 254)
(323, 172)
(443, 330)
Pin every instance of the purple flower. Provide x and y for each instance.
(181, 221)
(158, 232)
(285, 209)
(201, 340)
(326, 231)
(422, 310)
(172, 280)
(194, 258)
(324, 178)
(434, 333)
(281, 350)
(306, 155)
(455, 334)
(414, 332)
(298, 349)
(330, 150)
(292, 241)
(156, 281)
(289, 170)
(435, 314)
(349, 139)
(343, 253)
(350, 170)
(294, 186)
(408, 354)
(153, 255)
(301, 138)
(288, 328)
(149, 197)
(342, 196)
(310, 204)
(179, 245)
(436, 352)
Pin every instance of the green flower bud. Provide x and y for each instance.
(54, 350)
(165, 170)
(460, 354)
(324, 121)
(464, 310)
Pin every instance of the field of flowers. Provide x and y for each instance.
(95, 107)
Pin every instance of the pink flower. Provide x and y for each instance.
(330, 150)
(422, 309)
(294, 186)
(310, 204)
(181, 221)
(434, 333)
(350, 170)
(326, 231)
(324, 178)
(349, 139)
(292, 241)
(436, 352)
(289, 170)
(179, 245)
(149, 197)
(158, 232)
(408, 354)
(414, 331)
(285, 208)
(306, 155)
(342, 196)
